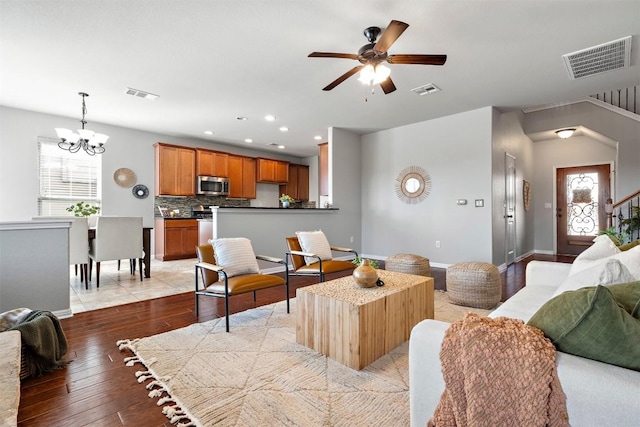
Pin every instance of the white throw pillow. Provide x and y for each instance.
(602, 247)
(314, 242)
(610, 272)
(235, 255)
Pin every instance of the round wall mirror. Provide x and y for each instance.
(413, 185)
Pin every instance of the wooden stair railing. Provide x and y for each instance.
(625, 215)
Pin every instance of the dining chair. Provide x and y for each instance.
(78, 242)
(117, 237)
(229, 267)
(311, 255)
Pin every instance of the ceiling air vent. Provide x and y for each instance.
(599, 59)
(427, 89)
(141, 93)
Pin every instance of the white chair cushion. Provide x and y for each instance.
(602, 247)
(314, 242)
(235, 255)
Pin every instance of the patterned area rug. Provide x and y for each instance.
(258, 375)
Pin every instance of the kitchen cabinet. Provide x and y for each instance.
(323, 173)
(242, 177)
(272, 171)
(212, 163)
(298, 185)
(175, 170)
(175, 238)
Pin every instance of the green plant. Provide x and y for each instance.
(357, 261)
(286, 198)
(631, 224)
(613, 234)
(83, 209)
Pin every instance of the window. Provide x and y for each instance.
(66, 178)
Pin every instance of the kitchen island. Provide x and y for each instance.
(267, 227)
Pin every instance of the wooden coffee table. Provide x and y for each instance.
(355, 325)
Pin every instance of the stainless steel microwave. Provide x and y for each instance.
(212, 185)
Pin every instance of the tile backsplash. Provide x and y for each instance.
(185, 204)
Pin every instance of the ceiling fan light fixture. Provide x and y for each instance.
(565, 133)
(371, 75)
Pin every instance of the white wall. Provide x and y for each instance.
(456, 153)
(617, 127)
(551, 154)
(126, 148)
(508, 137)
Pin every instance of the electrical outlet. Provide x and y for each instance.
(351, 239)
(437, 243)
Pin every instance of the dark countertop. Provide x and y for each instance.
(278, 208)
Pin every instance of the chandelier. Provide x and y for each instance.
(88, 140)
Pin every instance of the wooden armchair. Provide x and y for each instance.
(311, 263)
(234, 277)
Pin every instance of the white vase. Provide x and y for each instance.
(285, 204)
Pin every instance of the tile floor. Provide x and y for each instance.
(120, 287)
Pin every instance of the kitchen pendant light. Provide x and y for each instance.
(88, 140)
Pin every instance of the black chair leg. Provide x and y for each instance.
(196, 293)
(97, 274)
(140, 262)
(118, 265)
(254, 296)
(226, 310)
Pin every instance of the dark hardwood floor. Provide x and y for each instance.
(97, 388)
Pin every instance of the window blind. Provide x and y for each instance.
(66, 178)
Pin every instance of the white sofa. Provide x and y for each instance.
(598, 394)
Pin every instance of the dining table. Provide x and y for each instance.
(146, 247)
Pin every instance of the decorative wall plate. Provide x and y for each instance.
(413, 185)
(140, 191)
(124, 177)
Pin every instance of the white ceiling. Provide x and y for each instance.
(211, 61)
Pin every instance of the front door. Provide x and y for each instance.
(581, 195)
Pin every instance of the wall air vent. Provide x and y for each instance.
(427, 89)
(599, 59)
(141, 94)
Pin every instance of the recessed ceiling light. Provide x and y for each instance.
(241, 118)
(248, 140)
(284, 129)
(269, 117)
(317, 137)
(281, 147)
(208, 132)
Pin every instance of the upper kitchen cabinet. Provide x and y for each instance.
(175, 170)
(323, 175)
(212, 163)
(242, 177)
(273, 171)
(298, 185)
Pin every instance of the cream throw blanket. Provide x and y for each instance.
(498, 372)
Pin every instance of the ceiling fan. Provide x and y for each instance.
(374, 53)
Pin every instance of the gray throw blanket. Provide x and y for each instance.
(44, 340)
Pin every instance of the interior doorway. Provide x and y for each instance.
(510, 209)
(581, 193)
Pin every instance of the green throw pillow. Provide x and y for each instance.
(588, 322)
(627, 295)
(630, 245)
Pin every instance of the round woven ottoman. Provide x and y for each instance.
(408, 263)
(474, 284)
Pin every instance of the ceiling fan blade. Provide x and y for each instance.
(332, 55)
(343, 77)
(388, 86)
(390, 35)
(417, 59)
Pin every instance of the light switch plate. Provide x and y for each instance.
(461, 202)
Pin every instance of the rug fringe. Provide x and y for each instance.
(174, 412)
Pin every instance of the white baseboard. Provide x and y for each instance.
(63, 314)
